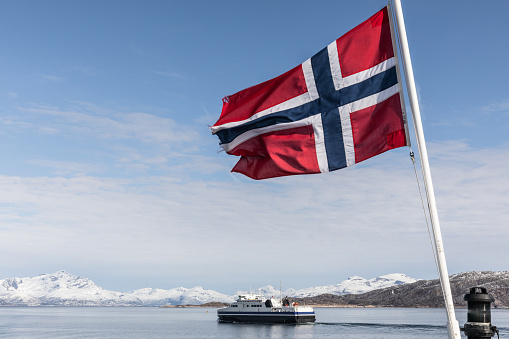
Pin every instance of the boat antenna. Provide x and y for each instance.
(281, 292)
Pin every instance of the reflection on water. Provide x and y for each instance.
(147, 322)
(270, 330)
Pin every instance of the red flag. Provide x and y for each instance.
(340, 107)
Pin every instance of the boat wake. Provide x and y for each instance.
(375, 325)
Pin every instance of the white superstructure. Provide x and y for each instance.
(255, 308)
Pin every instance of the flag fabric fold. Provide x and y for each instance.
(340, 107)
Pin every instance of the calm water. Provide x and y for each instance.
(148, 322)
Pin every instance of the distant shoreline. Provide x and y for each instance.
(210, 305)
(220, 305)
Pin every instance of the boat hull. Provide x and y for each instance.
(267, 318)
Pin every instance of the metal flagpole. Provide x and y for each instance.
(452, 324)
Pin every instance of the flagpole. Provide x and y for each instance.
(452, 325)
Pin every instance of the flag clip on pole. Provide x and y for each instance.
(452, 325)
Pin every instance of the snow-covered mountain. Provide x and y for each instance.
(60, 288)
(353, 285)
(65, 289)
(356, 285)
(179, 296)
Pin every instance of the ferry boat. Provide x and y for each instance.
(252, 308)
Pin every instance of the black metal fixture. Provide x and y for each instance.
(478, 325)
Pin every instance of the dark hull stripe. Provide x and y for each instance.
(267, 318)
(274, 314)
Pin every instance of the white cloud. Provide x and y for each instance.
(85, 70)
(501, 106)
(13, 124)
(89, 139)
(173, 75)
(207, 117)
(65, 168)
(50, 78)
(347, 222)
(118, 125)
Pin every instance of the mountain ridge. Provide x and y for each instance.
(423, 293)
(393, 290)
(65, 289)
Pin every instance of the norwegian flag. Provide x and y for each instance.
(340, 107)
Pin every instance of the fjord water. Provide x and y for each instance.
(151, 322)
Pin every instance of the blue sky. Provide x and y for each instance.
(109, 170)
